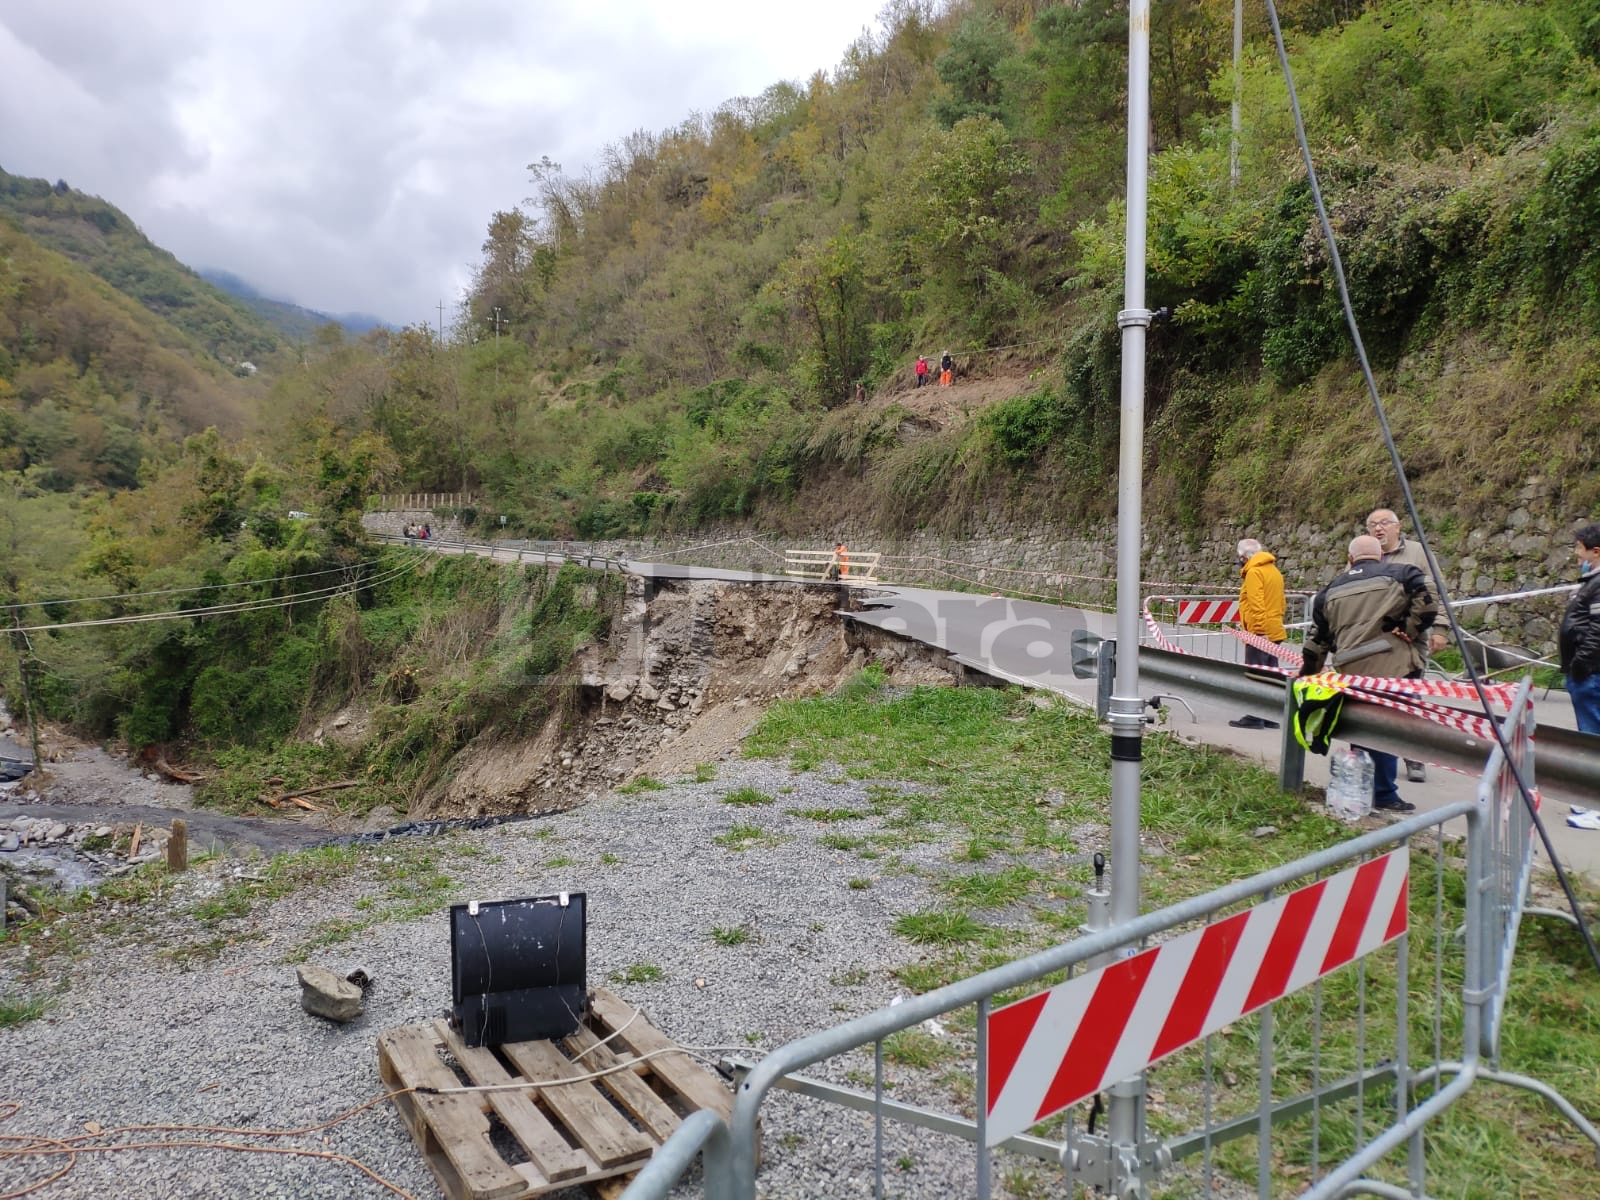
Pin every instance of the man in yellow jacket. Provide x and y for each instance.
(1261, 605)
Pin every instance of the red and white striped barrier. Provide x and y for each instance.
(1207, 612)
(1051, 1050)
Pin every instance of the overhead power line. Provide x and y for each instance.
(205, 587)
(219, 610)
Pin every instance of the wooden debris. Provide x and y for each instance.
(178, 846)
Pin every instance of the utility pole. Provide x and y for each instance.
(1125, 1116)
(441, 323)
(1238, 89)
(497, 323)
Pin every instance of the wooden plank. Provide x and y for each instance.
(457, 1122)
(547, 1150)
(581, 1107)
(632, 1092)
(693, 1084)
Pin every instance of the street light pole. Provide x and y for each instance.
(1127, 709)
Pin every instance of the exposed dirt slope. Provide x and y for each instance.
(683, 676)
(942, 407)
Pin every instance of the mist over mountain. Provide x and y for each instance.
(294, 320)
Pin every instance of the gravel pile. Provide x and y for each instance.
(140, 1038)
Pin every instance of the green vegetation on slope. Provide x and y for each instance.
(105, 241)
(684, 330)
(90, 383)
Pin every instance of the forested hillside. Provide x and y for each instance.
(103, 239)
(719, 321)
(681, 331)
(91, 383)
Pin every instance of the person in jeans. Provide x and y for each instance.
(1579, 639)
(1372, 620)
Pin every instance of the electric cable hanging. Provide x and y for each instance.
(207, 587)
(1337, 267)
(240, 606)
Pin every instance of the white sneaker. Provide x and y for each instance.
(1578, 810)
(1587, 820)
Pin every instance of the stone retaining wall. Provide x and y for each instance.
(1530, 548)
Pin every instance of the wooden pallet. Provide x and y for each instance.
(568, 1135)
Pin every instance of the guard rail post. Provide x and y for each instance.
(1292, 755)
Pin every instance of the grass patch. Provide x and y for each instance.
(705, 772)
(841, 841)
(245, 774)
(639, 972)
(859, 884)
(644, 783)
(746, 797)
(917, 1048)
(731, 935)
(938, 927)
(19, 1010)
(993, 889)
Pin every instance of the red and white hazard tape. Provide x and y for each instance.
(1380, 689)
(1052, 1050)
(1279, 650)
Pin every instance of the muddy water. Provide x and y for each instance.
(91, 787)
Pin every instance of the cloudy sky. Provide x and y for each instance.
(347, 154)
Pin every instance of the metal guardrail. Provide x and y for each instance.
(1569, 762)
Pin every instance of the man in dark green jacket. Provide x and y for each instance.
(1372, 620)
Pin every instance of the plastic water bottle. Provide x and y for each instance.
(1350, 777)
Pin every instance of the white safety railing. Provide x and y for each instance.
(855, 568)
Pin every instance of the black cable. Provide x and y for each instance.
(208, 587)
(1405, 484)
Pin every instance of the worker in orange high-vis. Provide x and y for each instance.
(839, 565)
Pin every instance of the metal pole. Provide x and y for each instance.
(1238, 88)
(1127, 710)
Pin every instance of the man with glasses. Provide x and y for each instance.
(1385, 526)
(1371, 620)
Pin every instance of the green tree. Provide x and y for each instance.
(972, 70)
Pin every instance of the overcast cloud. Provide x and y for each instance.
(347, 154)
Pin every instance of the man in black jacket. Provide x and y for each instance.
(1372, 620)
(1580, 635)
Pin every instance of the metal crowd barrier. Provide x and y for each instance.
(1203, 624)
(860, 568)
(1325, 1074)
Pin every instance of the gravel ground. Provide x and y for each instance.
(139, 1038)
